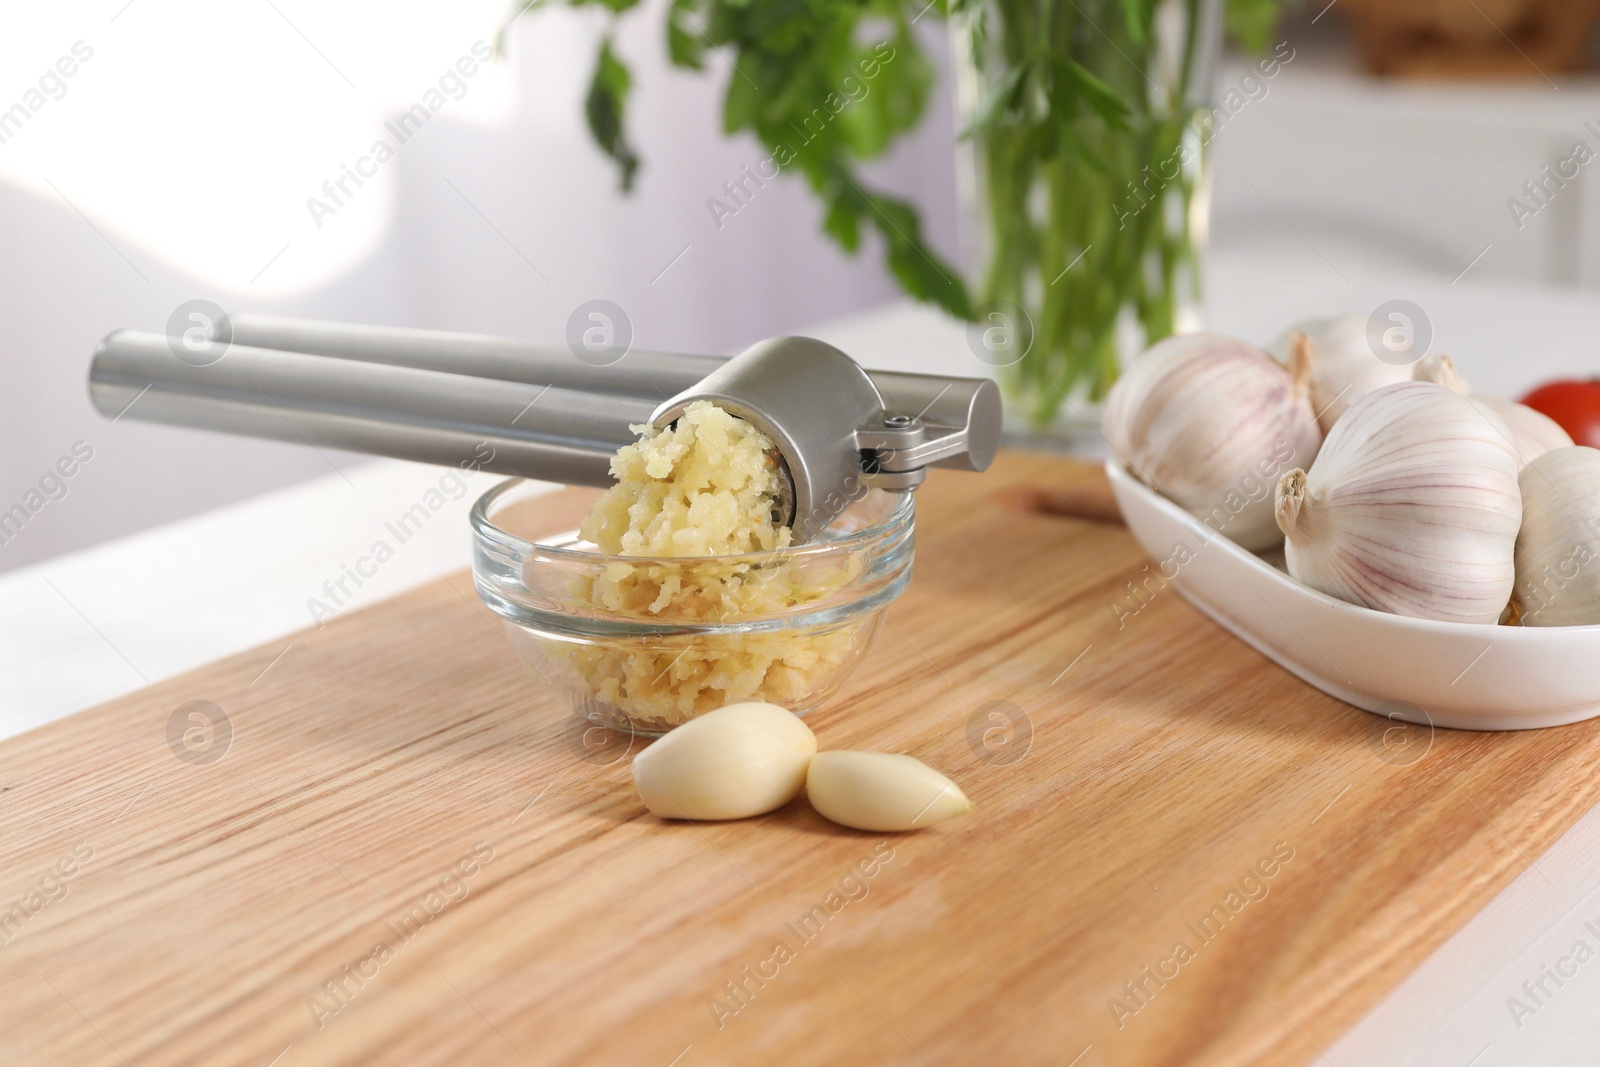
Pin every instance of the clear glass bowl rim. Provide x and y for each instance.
(898, 518)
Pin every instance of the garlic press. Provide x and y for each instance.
(541, 412)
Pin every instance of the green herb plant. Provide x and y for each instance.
(1080, 106)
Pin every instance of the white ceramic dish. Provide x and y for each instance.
(1438, 673)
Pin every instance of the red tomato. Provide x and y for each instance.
(1574, 405)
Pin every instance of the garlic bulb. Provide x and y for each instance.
(1531, 432)
(881, 791)
(1211, 423)
(737, 761)
(1558, 550)
(1412, 507)
(1346, 368)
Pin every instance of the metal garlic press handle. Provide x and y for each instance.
(648, 374)
(928, 420)
(835, 433)
(555, 434)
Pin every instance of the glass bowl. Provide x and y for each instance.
(643, 644)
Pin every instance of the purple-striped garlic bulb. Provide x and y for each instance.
(1412, 507)
(1212, 423)
(1346, 369)
(1532, 433)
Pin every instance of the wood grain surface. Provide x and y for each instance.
(398, 848)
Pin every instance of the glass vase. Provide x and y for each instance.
(1086, 189)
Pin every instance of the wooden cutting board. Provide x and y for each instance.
(409, 853)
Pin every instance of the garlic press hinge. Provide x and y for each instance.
(896, 450)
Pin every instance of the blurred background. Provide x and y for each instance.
(177, 159)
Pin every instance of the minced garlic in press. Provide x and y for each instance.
(704, 487)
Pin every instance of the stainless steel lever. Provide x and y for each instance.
(835, 430)
(931, 420)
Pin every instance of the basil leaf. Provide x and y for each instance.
(605, 107)
(843, 224)
(686, 45)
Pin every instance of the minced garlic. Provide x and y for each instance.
(704, 487)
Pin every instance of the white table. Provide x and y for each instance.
(84, 628)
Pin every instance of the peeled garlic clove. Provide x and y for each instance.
(1211, 423)
(1531, 433)
(881, 791)
(737, 761)
(1558, 549)
(1346, 368)
(1412, 507)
